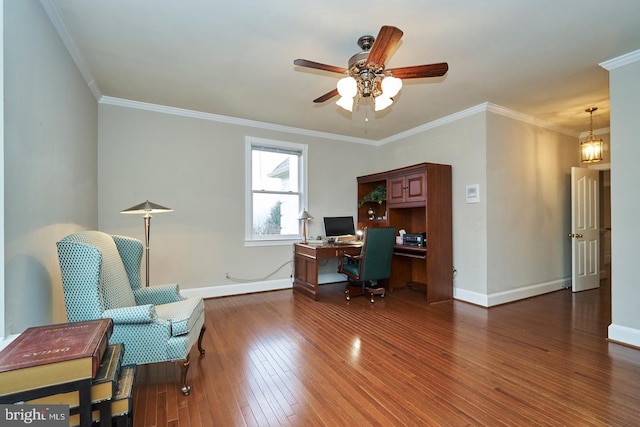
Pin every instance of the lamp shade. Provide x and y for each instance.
(304, 215)
(146, 207)
(391, 86)
(382, 102)
(347, 87)
(346, 103)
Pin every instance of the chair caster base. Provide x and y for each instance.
(375, 291)
(186, 390)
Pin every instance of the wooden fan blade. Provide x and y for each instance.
(326, 96)
(319, 66)
(418, 71)
(387, 39)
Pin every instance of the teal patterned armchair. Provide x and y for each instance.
(101, 279)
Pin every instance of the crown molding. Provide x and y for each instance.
(107, 100)
(480, 108)
(497, 109)
(484, 107)
(434, 124)
(55, 17)
(622, 60)
(601, 131)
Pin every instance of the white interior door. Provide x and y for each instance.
(585, 229)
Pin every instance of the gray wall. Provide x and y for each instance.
(528, 207)
(196, 167)
(513, 243)
(50, 163)
(461, 144)
(625, 203)
(509, 246)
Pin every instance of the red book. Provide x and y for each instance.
(53, 354)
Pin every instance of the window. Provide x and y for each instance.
(276, 190)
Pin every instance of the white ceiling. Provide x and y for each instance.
(235, 58)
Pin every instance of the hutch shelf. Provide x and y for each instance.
(418, 200)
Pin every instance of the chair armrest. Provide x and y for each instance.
(136, 314)
(348, 258)
(156, 295)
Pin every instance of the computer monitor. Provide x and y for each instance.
(335, 226)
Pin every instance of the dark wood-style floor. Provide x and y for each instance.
(280, 358)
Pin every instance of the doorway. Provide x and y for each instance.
(605, 224)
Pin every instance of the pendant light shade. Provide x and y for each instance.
(591, 148)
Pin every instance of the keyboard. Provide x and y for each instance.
(352, 243)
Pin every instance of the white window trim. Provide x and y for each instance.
(271, 241)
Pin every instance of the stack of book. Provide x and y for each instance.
(120, 404)
(69, 364)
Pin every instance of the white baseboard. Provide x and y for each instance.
(253, 287)
(510, 295)
(624, 335)
(470, 297)
(237, 289)
(459, 294)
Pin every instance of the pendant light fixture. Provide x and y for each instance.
(591, 148)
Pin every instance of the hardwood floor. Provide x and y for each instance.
(280, 358)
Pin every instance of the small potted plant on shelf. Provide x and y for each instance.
(378, 195)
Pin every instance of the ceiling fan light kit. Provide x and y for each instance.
(382, 102)
(366, 74)
(346, 103)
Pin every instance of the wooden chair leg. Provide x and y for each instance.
(200, 348)
(184, 368)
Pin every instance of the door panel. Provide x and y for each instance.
(585, 229)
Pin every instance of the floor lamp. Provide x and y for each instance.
(147, 208)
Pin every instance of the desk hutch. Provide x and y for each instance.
(418, 201)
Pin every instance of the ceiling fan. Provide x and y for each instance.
(366, 73)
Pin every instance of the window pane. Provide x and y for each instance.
(275, 214)
(274, 171)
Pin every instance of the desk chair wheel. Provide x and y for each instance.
(373, 291)
(346, 292)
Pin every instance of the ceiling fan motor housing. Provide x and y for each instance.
(368, 78)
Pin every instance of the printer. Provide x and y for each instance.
(419, 239)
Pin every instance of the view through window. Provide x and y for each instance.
(277, 183)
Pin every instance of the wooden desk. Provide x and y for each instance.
(306, 259)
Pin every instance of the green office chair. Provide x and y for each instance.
(373, 265)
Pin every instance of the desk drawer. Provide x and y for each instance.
(325, 252)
